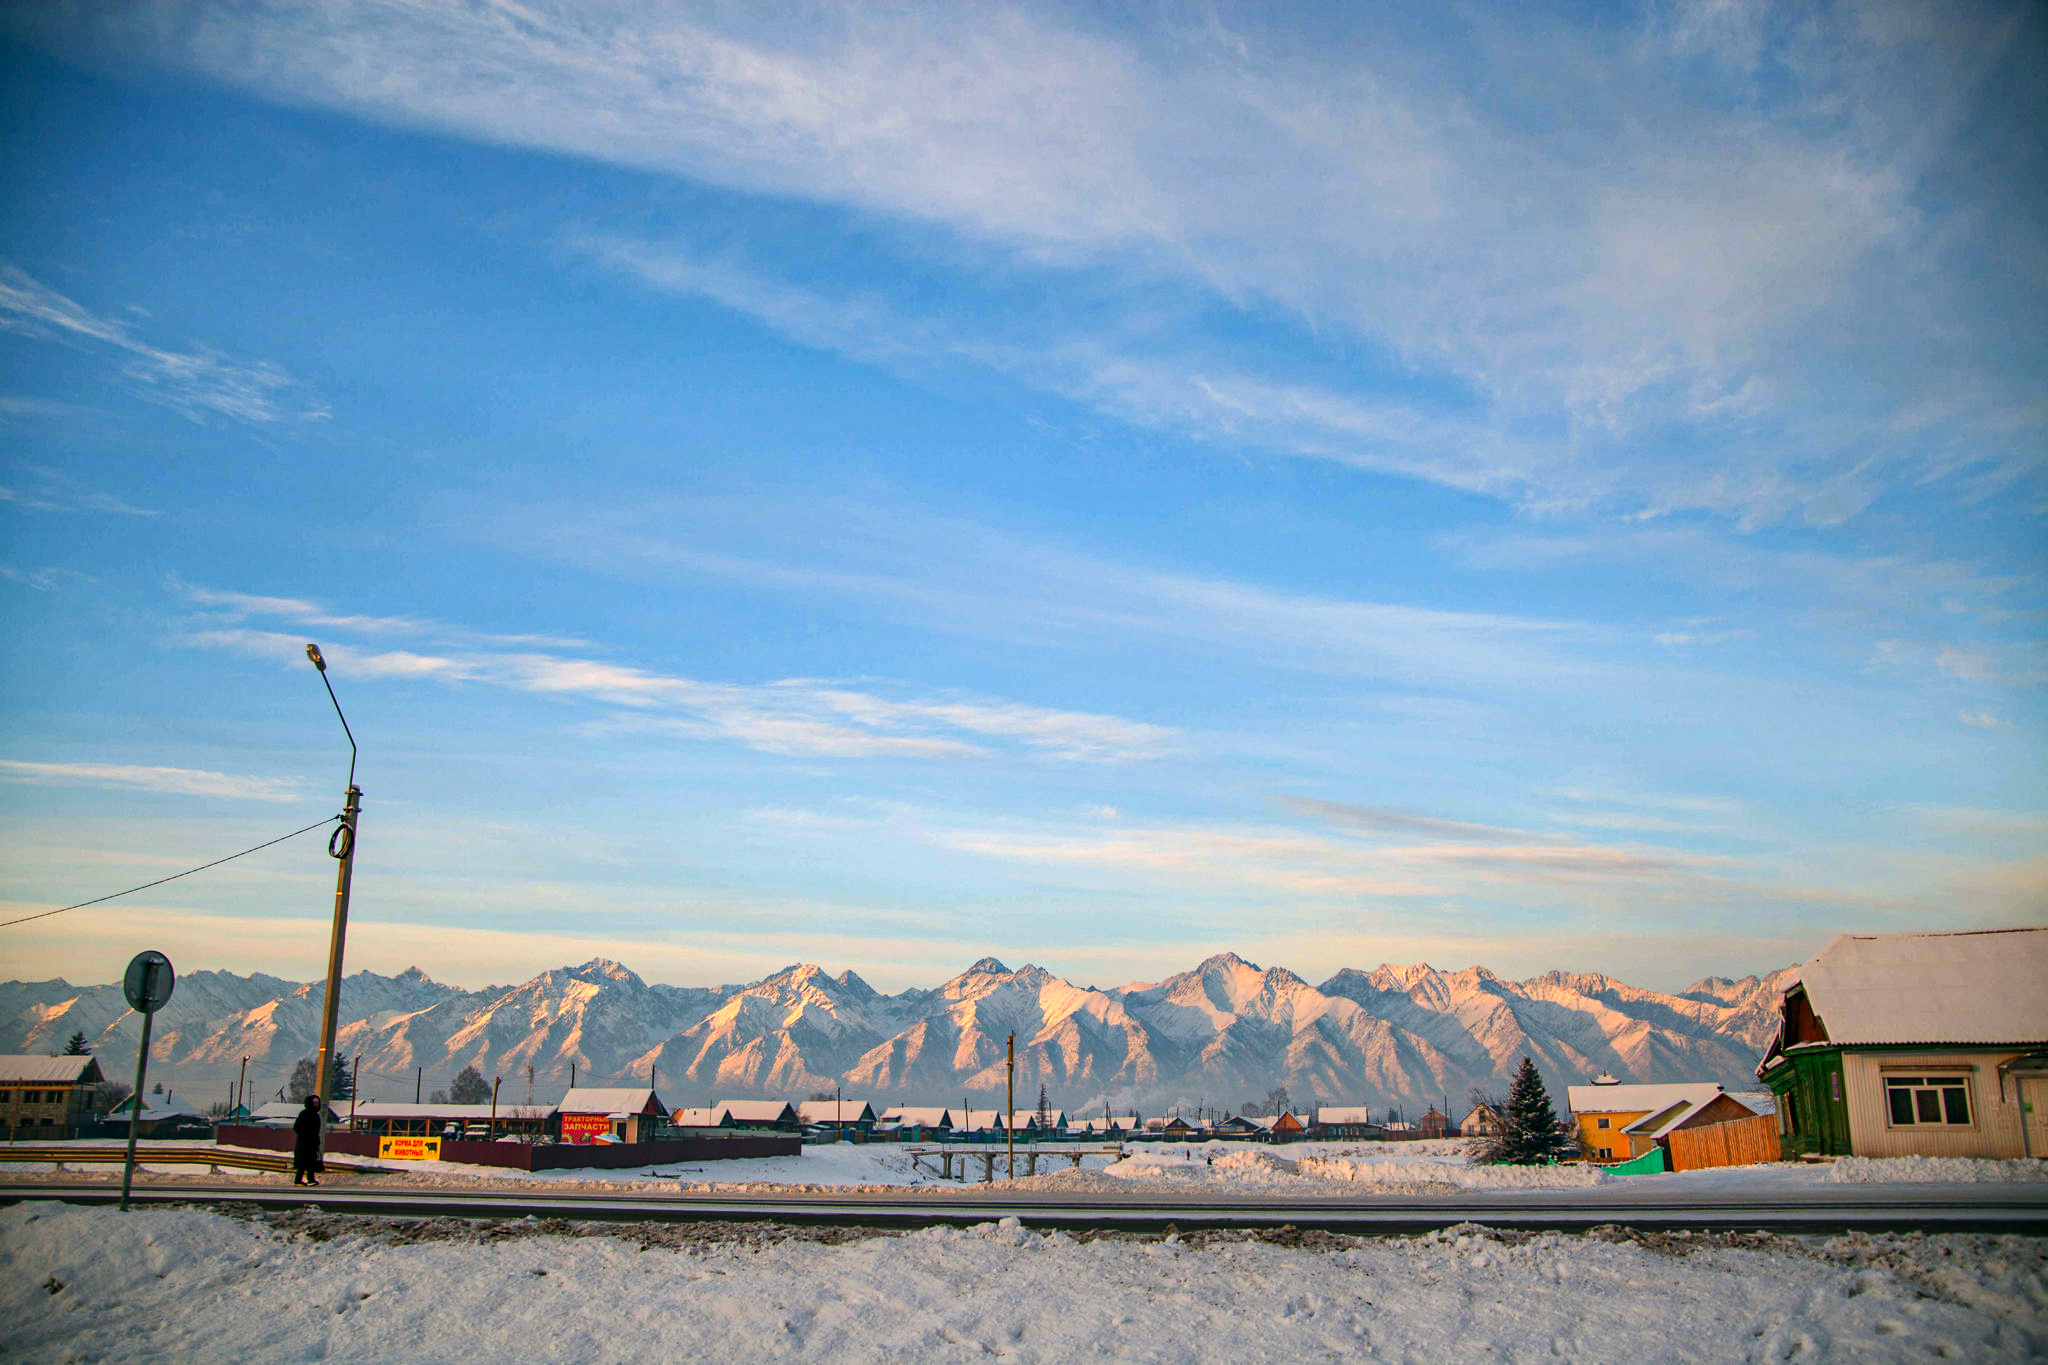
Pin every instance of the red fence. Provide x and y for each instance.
(523, 1156)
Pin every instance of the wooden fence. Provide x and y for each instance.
(1739, 1142)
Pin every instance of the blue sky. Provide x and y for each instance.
(1543, 489)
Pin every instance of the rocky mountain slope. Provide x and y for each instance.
(1223, 1032)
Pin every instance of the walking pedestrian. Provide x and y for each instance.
(306, 1143)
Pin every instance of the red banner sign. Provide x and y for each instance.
(585, 1127)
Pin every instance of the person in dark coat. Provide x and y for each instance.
(306, 1143)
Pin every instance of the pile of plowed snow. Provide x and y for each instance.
(1905, 1170)
(1418, 1175)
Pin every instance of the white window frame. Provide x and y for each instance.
(1929, 1087)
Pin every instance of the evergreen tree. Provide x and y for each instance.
(77, 1046)
(469, 1087)
(340, 1087)
(1531, 1132)
(1044, 1112)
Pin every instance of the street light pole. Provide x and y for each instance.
(342, 845)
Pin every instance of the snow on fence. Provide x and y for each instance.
(1738, 1142)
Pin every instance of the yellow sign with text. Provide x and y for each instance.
(410, 1148)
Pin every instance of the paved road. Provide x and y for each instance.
(1953, 1208)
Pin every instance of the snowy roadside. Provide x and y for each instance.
(90, 1284)
(1224, 1169)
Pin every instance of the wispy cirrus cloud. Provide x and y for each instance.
(787, 716)
(201, 383)
(1654, 242)
(135, 777)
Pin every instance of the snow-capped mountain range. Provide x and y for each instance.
(1225, 1032)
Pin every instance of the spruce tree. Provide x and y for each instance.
(1044, 1112)
(77, 1046)
(1531, 1132)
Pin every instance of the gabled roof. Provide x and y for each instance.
(757, 1111)
(33, 1070)
(396, 1109)
(921, 1116)
(1637, 1099)
(836, 1111)
(607, 1100)
(1345, 1113)
(695, 1118)
(977, 1120)
(1978, 986)
(284, 1111)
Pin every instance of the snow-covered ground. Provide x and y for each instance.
(1308, 1169)
(81, 1284)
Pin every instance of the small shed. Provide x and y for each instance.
(614, 1113)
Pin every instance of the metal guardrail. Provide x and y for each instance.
(214, 1158)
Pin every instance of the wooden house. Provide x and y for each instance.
(1611, 1117)
(1481, 1120)
(916, 1123)
(608, 1114)
(778, 1115)
(1915, 1045)
(1287, 1127)
(847, 1116)
(47, 1092)
(1346, 1121)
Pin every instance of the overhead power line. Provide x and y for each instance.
(4, 924)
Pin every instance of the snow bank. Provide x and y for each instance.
(168, 1284)
(1896, 1170)
(1422, 1175)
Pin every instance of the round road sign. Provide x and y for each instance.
(149, 982)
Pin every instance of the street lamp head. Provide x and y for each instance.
(313, 653)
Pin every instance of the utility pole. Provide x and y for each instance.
(529, 1085)
(242, 1087)
(1010, 1125)
(419, 1076)
(341, 846)
(494, 1108)
(355, 1088)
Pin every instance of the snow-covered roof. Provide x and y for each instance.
(1345, 1113)
(1756, 1101)
(755, 1111)
(393, 1109)
(977, 1120)
(33, 1070)
(835, 1111)
(923, 1116)
(284, 1111)
(1975, 986)
(1637, 1099)
(705, 1117)
(608, 1100)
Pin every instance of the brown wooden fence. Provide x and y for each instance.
(1738, 1142)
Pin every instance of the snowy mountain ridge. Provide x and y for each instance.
(1223, 1032)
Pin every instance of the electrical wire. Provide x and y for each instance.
(4, 924)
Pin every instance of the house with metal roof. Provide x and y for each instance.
(777, 1114)
(844, 1114)
(610, 1114)
(39, 1093)
(1618, 1122)
(1915, 1045)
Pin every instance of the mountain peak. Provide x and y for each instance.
(987, 966)
(603, 967)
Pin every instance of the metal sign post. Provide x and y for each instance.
(148, 986)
